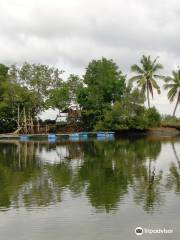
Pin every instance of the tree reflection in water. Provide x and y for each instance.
(173, 179)
(35, 174)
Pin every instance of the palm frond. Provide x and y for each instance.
(159, 76)
(157, 67)
(142, 81)
(169, 79)
(175, 74)
(172, 93)
(169, 85)
(148, 76)
(155, 60)
(155, 85)
(135, 78)
(136, 68)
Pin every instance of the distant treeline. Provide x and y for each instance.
(105, 98)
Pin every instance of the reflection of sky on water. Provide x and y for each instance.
(53, 156)
(57, 155)
(167, 156)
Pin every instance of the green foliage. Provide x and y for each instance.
(39, 78)
(170, 121)
(147, 75)
(126, 117)
(104, 85)
(75, 84)
(101, 96)
(153, 117)
(3, 77)
(15, 93)
(172, 83)
(170, 118)
(125, 114)
(123, 117)
(59, 98)
(104, 77)
(26, 88)
(129, 113)
(3, 72)
(7, 121)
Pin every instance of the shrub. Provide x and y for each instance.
(125, 116)
(153, 117)
(7, 125)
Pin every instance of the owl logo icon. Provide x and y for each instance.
(139, 231)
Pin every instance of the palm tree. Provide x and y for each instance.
(173, 84)
(146, 78)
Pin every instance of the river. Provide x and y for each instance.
(89, 190)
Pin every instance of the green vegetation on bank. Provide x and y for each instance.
(105, 98)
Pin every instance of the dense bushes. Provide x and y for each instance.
(153, 117)
(7, 125)
(170, 121)
(124, 117)
(129, 113)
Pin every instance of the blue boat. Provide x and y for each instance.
(101, 134)
(74, 137)
(78, 136)
(83, 135)
(52, 136)
(24, 138)
(105, 135)
(110, 134)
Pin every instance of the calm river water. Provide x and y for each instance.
(91, 190)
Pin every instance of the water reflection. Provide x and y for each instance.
(173, 180)
(36, 174)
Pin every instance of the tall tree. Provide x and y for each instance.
(59, 98)
(75, 83)
(147, 75)
(104, 84)
(172, 83)
(3, 72)
(15, 99)
(40, 78)
(3, 76)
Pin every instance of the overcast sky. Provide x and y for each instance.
(70, 33)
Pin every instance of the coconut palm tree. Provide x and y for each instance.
(147, 75)
(173, 85)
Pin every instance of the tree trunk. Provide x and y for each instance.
(25, 121)
(148, 95)
(38, 127)
(174, 112)
(18, 117)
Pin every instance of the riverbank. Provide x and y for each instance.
(159, 131)
(164, 131)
